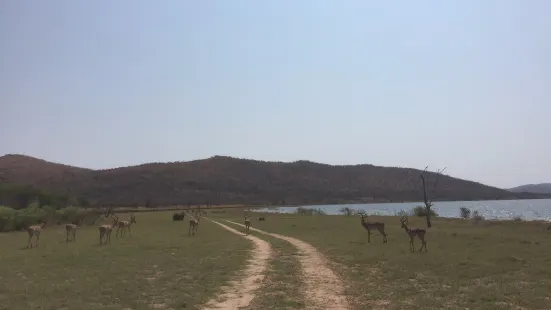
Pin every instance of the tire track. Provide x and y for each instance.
(324, 288)
(240, 293)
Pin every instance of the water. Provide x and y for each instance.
(533, 209)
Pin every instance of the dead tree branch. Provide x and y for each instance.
(429, 196)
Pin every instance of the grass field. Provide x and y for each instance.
(491, 265)
(159, 266)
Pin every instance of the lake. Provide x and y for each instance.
(532, 209)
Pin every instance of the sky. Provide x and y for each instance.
(462, 84)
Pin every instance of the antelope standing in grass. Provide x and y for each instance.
(193, 224)
(247, 223)
(198, 216)
(412, 232)
(34, 231)
(106, 229)
(372, 225)
(122, 225)
(71, 230)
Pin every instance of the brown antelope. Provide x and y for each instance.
(106, 229)
(193, 224)
(372, 225)
(71, 230)
(198, 216)
(247, 223)
(125, 224)
(412, 232)
(34, 231)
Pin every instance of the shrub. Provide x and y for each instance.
(67, 215)
(347, 211)
(517, 218)
(306, 211)
(465, 212)
(26, 217)
(401, 213)
(12, 219)
(422, 211)
(318, 212)
(6, 218)
(477, 217)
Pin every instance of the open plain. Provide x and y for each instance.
(484, 265)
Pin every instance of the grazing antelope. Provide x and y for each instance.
(125, 224)
(34, 231)
(71, 230)
(372, 225)
(247, 223)
(412, 232)
(198, 216)
(106, 229)
(193, 224)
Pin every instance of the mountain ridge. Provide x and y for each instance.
(537, 188)
(229, 180)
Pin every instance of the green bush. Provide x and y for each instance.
(401, 213)
(422, 211)
(465, 212)
(6, 218)
(347, 211)
(306, 211)
(12, 219)
(477, 217)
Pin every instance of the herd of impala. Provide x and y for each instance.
(194, 219)
(71, 230)
(105, 230)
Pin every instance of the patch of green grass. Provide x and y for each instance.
(282, 287)
(489, 265)
(158, 266)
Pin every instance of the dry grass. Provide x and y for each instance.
(159, 266)
(492, 265)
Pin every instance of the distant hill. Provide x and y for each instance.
(542, 188)
(228, 180)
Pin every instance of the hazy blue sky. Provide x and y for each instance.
(101, 84)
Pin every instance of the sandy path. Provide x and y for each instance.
(324, 288)
(240, 293)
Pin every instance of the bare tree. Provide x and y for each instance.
(346, 211)
(429, 196)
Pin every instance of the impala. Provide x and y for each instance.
(372, 225)
(34, 231)
(412, 232)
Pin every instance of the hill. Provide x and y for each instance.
(228, 180)
(542, 188)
